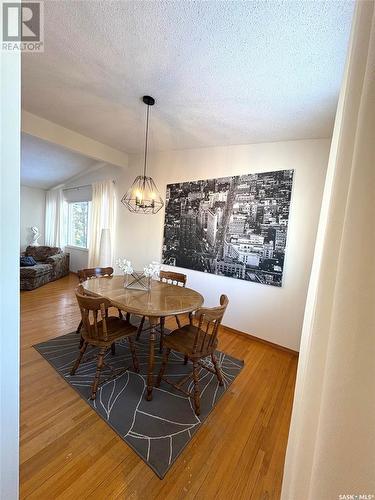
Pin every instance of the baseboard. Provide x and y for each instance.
(263, 341)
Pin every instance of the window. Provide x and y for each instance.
(78, 218)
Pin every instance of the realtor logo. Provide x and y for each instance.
(22, 26)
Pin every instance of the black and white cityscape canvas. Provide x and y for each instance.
(231, 226)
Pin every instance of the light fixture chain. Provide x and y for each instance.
(146, 141)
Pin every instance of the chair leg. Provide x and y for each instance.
(134, 354)
(140, 328)
(127, 317)
(197, 402)
(79, 359)
(185, 360)
(113, 349)
(178, 321)
(99, 367)
(81, 341)
(217, 369)
(163, 367)
(162, 323)
(79, 327)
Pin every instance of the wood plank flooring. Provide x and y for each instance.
(68, 452)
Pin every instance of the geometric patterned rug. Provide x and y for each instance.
(156, 430)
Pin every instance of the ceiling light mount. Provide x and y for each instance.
(143, 195)
(148, 100)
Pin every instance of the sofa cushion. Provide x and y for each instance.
(33, 277)
(41, 253)
(37, 270)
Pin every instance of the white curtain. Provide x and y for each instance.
(331, 448)
(54, 218)
(102, 225)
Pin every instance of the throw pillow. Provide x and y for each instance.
(27, 261)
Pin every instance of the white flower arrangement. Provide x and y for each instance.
(152, 270)
(125, 266)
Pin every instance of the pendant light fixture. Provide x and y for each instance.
(143, 196)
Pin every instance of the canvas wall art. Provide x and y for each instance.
(231, 226)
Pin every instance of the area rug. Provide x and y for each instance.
(156, 430)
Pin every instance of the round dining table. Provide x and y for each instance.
(160, 300)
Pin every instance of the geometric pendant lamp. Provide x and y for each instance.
(143, 196)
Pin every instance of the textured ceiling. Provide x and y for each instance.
(221, 72)
(45, 165)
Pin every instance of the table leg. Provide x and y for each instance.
(151, 358)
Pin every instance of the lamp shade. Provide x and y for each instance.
(143, 196)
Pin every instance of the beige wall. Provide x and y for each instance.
(271, 313)
(33, 201)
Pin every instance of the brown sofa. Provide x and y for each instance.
(51, 264)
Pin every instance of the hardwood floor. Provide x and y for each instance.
(67, 451)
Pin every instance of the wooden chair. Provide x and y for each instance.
(171, 278)
(101, 332)
(94, 272)
(196, 343)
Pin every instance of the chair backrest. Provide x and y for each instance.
(95, 326)
(209, 320)
(94, 272)
(173, 278)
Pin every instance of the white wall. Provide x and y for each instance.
(33, 209)
(271, 313)
(10, 69)
(79, 258)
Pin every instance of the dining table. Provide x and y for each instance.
(159, 301)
